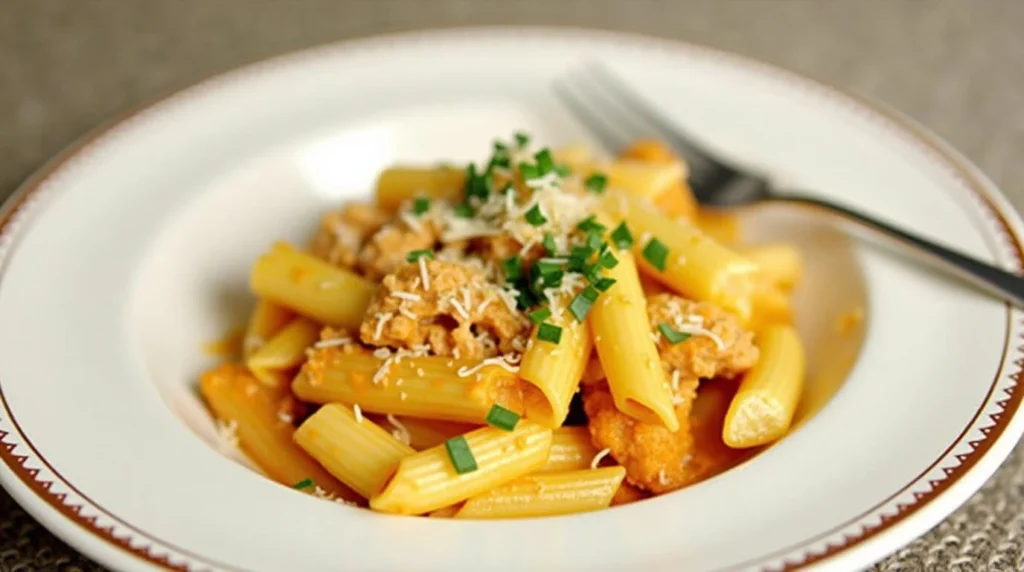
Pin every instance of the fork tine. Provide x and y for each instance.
(613, 87)
(611, 141)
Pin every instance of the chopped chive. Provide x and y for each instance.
(513, 268)
(535, 217)
(592, 272)
(539, 315)
(420, 205)
(547, 332)
(545, 163)
(500, 147)
(604, 284)
(608, 260)
(463, 210)
(460, 455)
(477, 185)
(578, 258)
(303, 484)
(529, 171)
(522, 139)
(508, 188)
(581, 304)
(525, 299)
(596, 183)
(590, 223)
(671, 335)
(549, 243)
(502, 418)
(594, 240)
(546, 269)
(622, 237)
(498, 160)
(656, 253)
(415, 255)
(563, 170)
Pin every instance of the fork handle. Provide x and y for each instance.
(1005, 285)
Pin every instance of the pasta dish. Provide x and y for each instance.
(544, 333)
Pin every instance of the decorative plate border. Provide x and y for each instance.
(974, 442)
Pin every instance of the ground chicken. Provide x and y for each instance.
(656, 459)
(455, 312)
(700, 356)
(627, 493)
(342, 232)
(387, 249)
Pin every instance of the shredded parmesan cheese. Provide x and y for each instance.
(358, 413)
(596, 461)
(228, 433)
(423, 273)
(407, 313)
(382, 318)
(331, 342)
(501, 361)
(407, 296)
(400, 433)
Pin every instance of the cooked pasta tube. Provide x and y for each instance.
(311, 287)
(629, 357)
(771, 307)
(690, 261)
(576, 156)
(427, 480)
(399, 184)
(429, 387)
(422, 433)
(571, 450)
(286, 350)
(267, 318)
(546, 495)
(352, 448)
(263, 429)
(780, 264)
(639, 178)
(762, 409)
(722, 226)
(555, 370)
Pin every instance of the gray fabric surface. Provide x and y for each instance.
(955, 65)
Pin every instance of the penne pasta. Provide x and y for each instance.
(311, 287)
(267, 318)
(262, 425)
(640, 178)
(546, 495)
(285, 351)
(423, 433)
(695, 265)
(576, 156)
(571, 450)
(427, 481)
(555, 370)
(780, 264)
(353, 449)
(762, 409)
(771, 307)
(723, 226)
(399, 184)
(676, 200)
(629, 357)
(428, 387)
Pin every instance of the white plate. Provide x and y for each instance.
(121, 257)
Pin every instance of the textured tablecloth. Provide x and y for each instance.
(955, 65)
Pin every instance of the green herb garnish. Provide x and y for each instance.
(415, 255)
(522, 139)
(604, 284)
(608, 260)
(621, 236)
(596, 183)
(502, 418)
(547, 332)
(460, 455)
(671, 335)
(539, 315)
(656, 253)
(535, 216)
(590, 224)
(529, 171)
(549, 243)
(303, 484)
(513, 268)
(463, 210)
(545, 163)
(563, 170)
(580, 305)
(420, 205)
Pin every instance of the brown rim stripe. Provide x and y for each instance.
(879, 117)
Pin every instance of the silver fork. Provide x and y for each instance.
(616, 117)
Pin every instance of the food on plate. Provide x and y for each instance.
(544, 333)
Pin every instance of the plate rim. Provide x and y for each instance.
(960, 481)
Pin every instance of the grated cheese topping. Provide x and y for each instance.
(596, 461)
(505, 362)
(400, 433)
(332, 342)
(358, 413)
